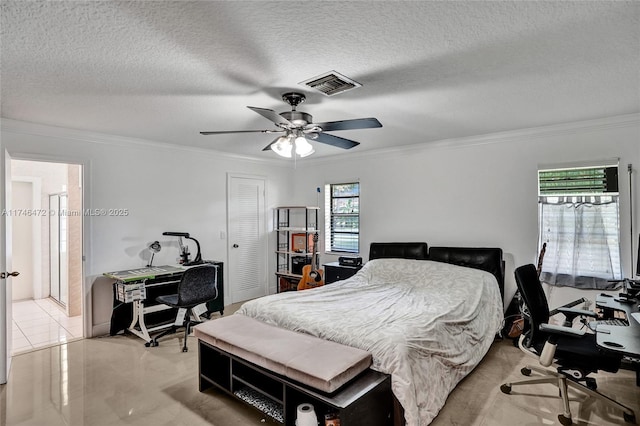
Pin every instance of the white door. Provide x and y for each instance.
(247, 239)
(5, 266)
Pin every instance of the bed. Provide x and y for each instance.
(395, 308)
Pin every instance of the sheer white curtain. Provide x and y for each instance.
(582, 236)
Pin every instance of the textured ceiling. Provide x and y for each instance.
(166, 70)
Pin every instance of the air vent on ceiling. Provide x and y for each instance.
(331, 83)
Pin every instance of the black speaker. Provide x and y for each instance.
(349, 261)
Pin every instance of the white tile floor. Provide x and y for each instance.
(41, 323)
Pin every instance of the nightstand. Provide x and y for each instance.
(333, 272)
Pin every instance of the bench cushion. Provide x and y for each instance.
(318, 363)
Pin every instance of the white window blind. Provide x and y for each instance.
(342, 217)
(579, 222)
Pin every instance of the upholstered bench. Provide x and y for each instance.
(318, 363)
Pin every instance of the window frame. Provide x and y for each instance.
(329, 217)
(587, 191)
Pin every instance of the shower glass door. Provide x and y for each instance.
(58, 248)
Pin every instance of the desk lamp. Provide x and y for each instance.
(184, 251)
(154, 248)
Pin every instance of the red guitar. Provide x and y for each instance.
(311, 274)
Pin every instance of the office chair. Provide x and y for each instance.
(574, 351)
(198, 285)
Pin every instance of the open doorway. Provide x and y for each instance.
(47, 250)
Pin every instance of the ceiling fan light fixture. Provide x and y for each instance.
(282, 146)
(299, 129)
(303, 147)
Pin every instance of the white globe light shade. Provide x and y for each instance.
(282, 147)
(303, 147)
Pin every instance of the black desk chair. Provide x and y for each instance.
(574, 351)
(198, 285)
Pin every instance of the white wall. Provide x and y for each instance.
(164, 188)
(471, 192)
(474, 192)
(23, 251)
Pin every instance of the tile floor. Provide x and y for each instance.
(40, 323)
(116, 380)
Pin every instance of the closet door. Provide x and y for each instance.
(247, 239)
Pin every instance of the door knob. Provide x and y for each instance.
(4, 275)
(235, 246)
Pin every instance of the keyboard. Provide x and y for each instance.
(612, 321)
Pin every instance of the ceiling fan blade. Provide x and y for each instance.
(268, 147)
(224, 132)
(335, 141)
(358, 123)
(271, 115)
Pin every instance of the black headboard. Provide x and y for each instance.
(486, 259)
(398, 251)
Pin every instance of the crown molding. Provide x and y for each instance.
(27, 128)
(587, 126)
(18, 127)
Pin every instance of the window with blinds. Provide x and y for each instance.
(342, 217)
(578, 181)
(578, 210)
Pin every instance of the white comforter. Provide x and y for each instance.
(428, 324)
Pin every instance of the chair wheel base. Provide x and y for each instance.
(565, 421)
(152, 344)
(525, 371)
(505, 388)
(629, 418)
(185, 349)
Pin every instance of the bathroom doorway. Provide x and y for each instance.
(47, 239)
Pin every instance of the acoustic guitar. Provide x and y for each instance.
(311, 274)
(541, 258)
(517, 326)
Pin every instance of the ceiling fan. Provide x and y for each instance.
(298, 128)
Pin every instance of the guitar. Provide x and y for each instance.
(541, 258)
(311, 274)
(517, 326)
(568, 305)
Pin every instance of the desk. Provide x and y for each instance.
(135, 309)
(621, 339)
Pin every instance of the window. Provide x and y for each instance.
(342, 217)
(578, 210)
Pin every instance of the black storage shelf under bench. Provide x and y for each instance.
(366, 400)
